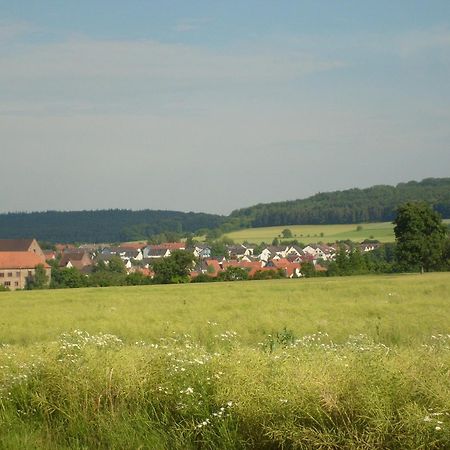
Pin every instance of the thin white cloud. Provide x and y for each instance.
(117, 59)
(106, 72)
(13, 30)
(189, 24)
(419, 41)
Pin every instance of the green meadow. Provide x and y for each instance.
(357, 362)
(382, 231)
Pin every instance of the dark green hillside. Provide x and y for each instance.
(103, 225)
(374, 204)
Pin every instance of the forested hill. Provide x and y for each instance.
(374, 204)
(113, 225)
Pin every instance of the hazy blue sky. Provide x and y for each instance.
(215, 105)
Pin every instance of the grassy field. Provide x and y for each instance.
(358, 362)
(382, 231)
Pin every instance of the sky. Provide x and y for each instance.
(216, 105)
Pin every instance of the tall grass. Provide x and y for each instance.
(356, 363)
(94, 391)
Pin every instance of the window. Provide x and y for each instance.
(16, 283)
(9, 274)
(17, 274)
(30, 273)
(2, 275)
(7, 283)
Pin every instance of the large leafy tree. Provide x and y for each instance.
(39, 280)
(420, 236)
(174, 269)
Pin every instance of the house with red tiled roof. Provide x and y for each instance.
(16, 268)
(291, 269)
(49, 254)
(213, 267)
(76, 259)
(63, 247)
(134, 245)
(252, 267)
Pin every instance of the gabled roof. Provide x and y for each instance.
(157, 251)
(286, 265)
(75, 256)
(215, 265)
(76, 259)
(237, 249)
(21, 260)
(49, 254)
(15, 245)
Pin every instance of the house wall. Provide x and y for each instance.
(35, 248)
(17, 278)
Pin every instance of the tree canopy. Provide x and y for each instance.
(421, 237)
(174, 268)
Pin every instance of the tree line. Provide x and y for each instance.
(113, 225)
(375, 204)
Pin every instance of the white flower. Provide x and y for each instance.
(438, 428)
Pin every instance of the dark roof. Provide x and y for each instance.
(73, 256)
(15, 245)
(157, 251)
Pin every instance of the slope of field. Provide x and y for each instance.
(339, 306)
(358, 362)
(382, 231)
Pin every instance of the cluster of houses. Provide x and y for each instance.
(139, 257)
(19, 257)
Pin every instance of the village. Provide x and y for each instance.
(19, 258)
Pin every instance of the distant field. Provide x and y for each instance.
(382, 231)
(357, 362)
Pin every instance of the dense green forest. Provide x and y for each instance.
(112, 225)
(375, 204)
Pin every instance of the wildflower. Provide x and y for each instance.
(438, 428)
(187, 391)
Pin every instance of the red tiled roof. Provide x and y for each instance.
(146, 272)
(215, 265)
(288, 266)
(320, 268)
(281, 262)
(134, 245)
(62, 247)
(49, 254)
(21, 260)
